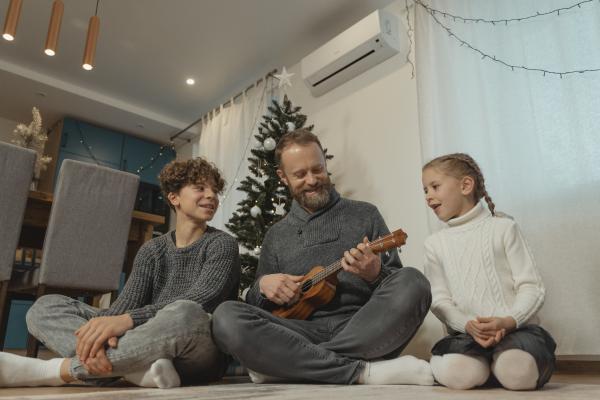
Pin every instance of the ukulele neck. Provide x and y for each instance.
(376, 247)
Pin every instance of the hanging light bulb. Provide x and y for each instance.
(54, 27)
(12, 18)
(90, 43)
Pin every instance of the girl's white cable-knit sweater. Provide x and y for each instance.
(481, 266)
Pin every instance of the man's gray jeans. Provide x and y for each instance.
(330, 350)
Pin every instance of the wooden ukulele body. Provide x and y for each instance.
(318, 294)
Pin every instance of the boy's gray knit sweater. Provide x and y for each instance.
(301, 241)
(207, 272)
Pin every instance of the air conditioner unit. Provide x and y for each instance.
(372, 40)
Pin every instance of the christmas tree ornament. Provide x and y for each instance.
(290, 126)
(269, 144)
(255, 211)
(285, 78)
(256, 251)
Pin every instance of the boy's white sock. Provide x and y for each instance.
(161, 374)
(405, 370)
(257, 377)
(18, 371)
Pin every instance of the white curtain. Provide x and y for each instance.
(536, 137)
(227, 136)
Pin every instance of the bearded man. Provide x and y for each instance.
(378, 305)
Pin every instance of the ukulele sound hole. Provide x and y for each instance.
(307, 285)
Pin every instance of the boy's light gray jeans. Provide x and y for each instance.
(180, 332)
(331, 349)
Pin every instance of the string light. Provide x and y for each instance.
(148, 165)
(505, 21)
(484, 55)
(410, 40)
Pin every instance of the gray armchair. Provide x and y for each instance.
(86, 238)
(16, 171)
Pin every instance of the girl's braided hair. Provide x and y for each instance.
(460, 165)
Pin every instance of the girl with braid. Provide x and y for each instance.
(485, 285)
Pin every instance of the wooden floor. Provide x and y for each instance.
(561, 387)
(575, 381)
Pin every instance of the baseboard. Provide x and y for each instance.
(578, 364)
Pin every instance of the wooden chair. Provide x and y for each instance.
(16, 166)
(86, 238)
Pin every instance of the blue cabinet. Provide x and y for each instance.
(147, 155)
(16, 332)
(112, 149)
(106, 145)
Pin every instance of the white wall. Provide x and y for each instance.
(7, 127)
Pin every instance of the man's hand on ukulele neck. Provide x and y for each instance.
(281, 289)
(361, 261)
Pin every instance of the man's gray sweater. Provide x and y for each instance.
(301, 241)
(207, 272)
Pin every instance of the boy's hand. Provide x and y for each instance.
(99, 365)
(92, 336)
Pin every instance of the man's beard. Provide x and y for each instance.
(317, 201)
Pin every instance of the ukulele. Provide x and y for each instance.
(317, 288)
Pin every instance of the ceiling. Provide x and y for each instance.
(147, 48)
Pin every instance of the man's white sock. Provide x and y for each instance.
(257, 377)
(161, 374)
(405, 370)
(16, 371)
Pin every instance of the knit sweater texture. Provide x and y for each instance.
(206, 272)
(481, 265)
(301, 241)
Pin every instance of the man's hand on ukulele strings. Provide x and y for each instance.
(361, 261)
(281, 289)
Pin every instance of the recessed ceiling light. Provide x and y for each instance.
(190, 81)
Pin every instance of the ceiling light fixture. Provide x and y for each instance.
(90, 43)
(54, 27)
(190, 81)
(12, 19)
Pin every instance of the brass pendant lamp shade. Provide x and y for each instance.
(90, 43)
(12, 18)
(54, 27)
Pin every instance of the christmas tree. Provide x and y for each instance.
(268, 199)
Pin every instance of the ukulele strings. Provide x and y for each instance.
(325, 272)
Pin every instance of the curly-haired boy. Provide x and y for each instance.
(157, 333)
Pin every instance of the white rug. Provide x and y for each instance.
(328, 392)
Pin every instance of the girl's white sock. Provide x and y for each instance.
(405, 370)
(16, 371)
(161, 374)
